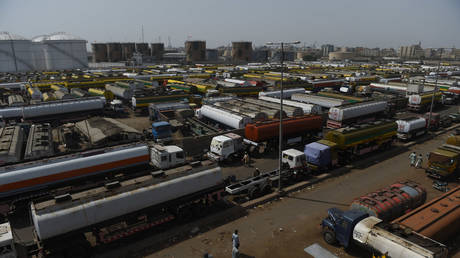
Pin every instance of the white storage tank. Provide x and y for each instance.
(63, 51)
(15, 53)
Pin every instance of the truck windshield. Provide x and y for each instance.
(440, 159)
(163, 128)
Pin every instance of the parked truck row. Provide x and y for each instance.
(65, 225)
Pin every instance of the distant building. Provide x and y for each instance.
(411, 52)
(326, 49)
(340, 56)
(388, 52)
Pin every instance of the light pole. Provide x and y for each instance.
(280, 146)
(434, 92)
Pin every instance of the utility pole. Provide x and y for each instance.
(435, 90)
(280, 146)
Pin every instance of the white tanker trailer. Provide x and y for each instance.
(411, 127)
(53, 109)
(359, 112)
(120, 209)
(226, 117)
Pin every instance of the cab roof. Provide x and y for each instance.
(293, 152)
(445, 152)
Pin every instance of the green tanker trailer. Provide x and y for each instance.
(342, 145)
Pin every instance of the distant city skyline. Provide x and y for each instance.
(363, 23)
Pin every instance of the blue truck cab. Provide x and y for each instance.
(161, 131)
(339, 225)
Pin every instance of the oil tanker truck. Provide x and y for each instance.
(263, 136)
(444, 161)
(357, 227)
(342, 145)
(72, 223)
(410, 128)
(422, 102)
(366, 223)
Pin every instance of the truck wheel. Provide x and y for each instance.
(329, 236)
(254, 192)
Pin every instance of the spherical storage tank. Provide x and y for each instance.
(63, 51)
(195, 51)
(15, 53)
(242, 51)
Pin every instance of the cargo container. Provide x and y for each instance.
(438, 219)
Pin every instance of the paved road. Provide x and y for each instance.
(285, 227)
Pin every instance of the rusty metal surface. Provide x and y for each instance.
(438, 219)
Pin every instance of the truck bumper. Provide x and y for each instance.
(214, 157)
(402, 136)
(434, 173)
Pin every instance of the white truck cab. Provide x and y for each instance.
(7, 249)
(223, 146)
(117, 105)
(165, 157)
(294, 158)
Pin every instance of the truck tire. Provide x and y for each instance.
(253, 193)
(329, 236)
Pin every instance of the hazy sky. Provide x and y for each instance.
(388, 23)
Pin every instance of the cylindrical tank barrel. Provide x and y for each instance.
(438, 219)
(392, 201)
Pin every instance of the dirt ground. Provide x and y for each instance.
(283, 228)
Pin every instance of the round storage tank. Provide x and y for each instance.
(15, 53)
(242, 51)
(99, 52)
(158, 50)
(195, 51)
(127, 51)
(114, 52)
(63, 51)
(143, 48)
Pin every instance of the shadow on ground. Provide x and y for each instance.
(152, 241)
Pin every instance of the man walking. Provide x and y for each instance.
(246, 159)
(412, 158)
(418, 163)
(235, 244)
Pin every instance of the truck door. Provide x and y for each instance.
(342, 231)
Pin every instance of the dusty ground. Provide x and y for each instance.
(283, 228)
